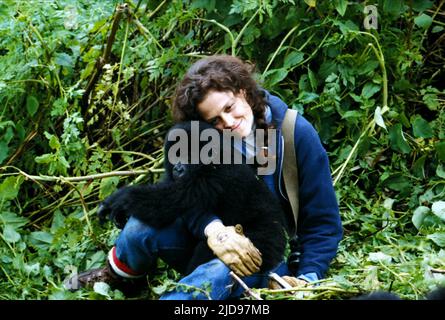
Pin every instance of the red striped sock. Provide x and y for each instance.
(121, 268)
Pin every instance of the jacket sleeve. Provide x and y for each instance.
(197, 221)
(319, 226)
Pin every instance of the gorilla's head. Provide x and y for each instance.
(195, 147)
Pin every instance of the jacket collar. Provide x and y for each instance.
(277, 107)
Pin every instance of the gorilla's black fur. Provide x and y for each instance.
(233, 192)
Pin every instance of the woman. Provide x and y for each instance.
(221, 91)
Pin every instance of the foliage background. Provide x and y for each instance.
(84, 105)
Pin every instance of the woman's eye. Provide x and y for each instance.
(214, 121)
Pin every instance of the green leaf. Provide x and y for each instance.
(275, 76)
(59, 107)
(32, 104)
(312, 79)
(108, 186)
(63, 59)
(379, 257)
(41, 239)
(438, 209)
(370, 89)
(423, 21)
(13, 220)
(352, 114)
(438, 238)
(437, 29)
(311, 3)
(10, 187)
(58, 222)
(307, 97)
(96, 260)
(10, 235)
(393, 7)
(9, 134)
(53, 141)
(440, 149)
(432, 221)
(4, 151)
(45, 158)
(398, 182)
(42, 236)
(250, 34)
(32, 269)
(159, 290)
(292, 59)
(421, 128)
(340, 6)
(102, 288)
(378, 118)
(327, 68)
(303, 83)
(431, 100)
(418, 167)
(209, 5)
(347, 26)
(422, 5)
(60, 295)
(331, 78)
(440, 171)
(368, 67)
(398, 141)
(419, 215)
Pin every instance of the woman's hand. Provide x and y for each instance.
(292, 281)
(233, 248)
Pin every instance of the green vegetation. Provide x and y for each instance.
(85, 89)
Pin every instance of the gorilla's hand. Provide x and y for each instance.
(116, 208)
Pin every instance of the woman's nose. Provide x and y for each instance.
(227, 120)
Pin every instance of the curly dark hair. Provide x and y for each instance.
(218, 73)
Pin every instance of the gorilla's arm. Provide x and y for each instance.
(159, 204)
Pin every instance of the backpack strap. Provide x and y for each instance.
(290, 170)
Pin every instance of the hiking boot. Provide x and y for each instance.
(87, 279)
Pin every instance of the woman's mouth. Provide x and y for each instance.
(237, 126)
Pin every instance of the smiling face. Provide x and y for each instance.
(225, 110)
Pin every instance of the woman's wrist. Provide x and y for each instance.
(213, 227)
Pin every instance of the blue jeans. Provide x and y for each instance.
(139, 245)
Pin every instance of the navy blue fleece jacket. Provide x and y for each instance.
(319, 226)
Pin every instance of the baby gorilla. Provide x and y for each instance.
(210, 184)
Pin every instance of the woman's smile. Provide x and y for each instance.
(226, 110)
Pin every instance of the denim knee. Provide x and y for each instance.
(136, 233)
(211, 280)
(136, 245)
